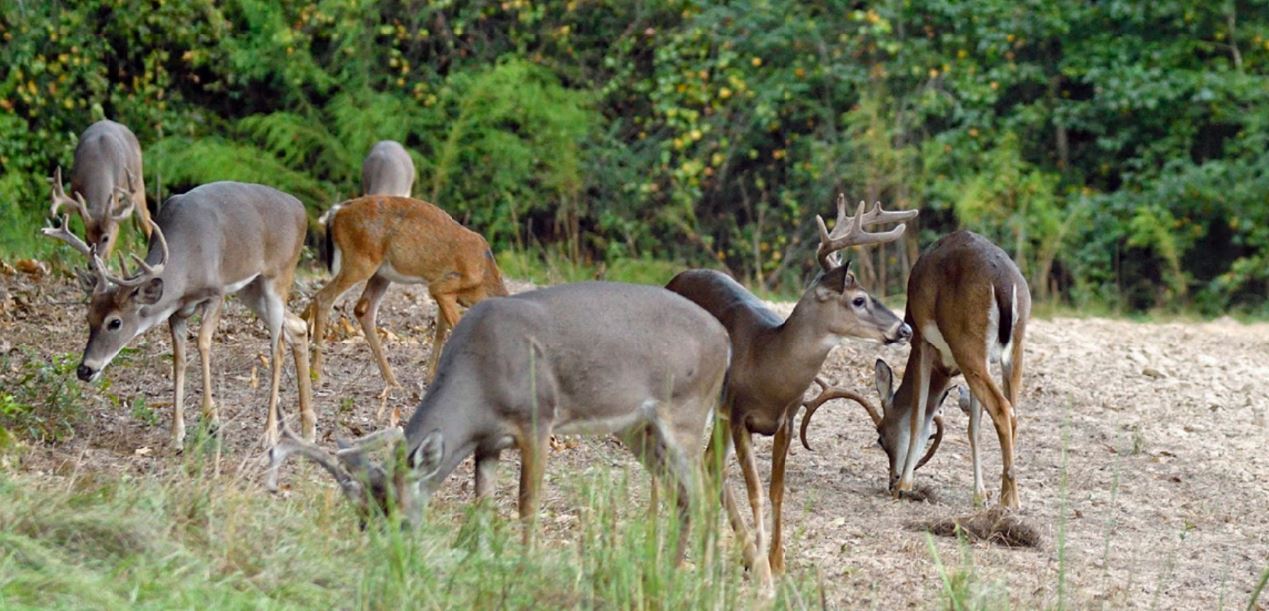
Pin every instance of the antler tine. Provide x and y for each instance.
(64, 234)
(371, 442)
(126, 193)
(938, 437)
(291, 444)
(849, 230)
(828, 393)
(61, 199)
(148, 270)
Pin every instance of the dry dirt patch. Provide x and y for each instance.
(1141, 446)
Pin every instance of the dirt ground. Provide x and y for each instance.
(1141, 447)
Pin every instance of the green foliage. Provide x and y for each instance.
(42, 400)
(1116, 149)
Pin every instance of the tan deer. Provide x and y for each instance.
(774, 360)
(387, 170)
(595, 358)
(384, 239)
(226, 238)
(106, 182)
(968, 306)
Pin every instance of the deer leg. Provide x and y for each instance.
(720, 442)
(533, 452)
(753, 485)
(178, 325)
(779, 453)
(367, 311)
(486, 473)
(350, 273)
(984, 388)
(446, 318)
(211, 317)
(975, 425)
(296, 334)
(916, 419)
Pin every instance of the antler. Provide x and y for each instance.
(60, 198)
(938, 437)
(349, 454)
(291, 444)
(147, 271)
(62, 232)
(849, 230)
(828, 393)
(126, 211)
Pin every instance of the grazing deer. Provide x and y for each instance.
(774, 360)
(227, 237)
(107, 184)
(596, 358)
(387, 170)
(383, 239)
(968, 306)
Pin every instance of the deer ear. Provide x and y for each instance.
(830, 284)
(848, 280)
(884, 381)
(426, 459)
(150, 292)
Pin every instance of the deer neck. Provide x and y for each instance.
(796, 350)
(448, 407)
(905, 397)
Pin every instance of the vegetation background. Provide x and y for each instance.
(1119, 150)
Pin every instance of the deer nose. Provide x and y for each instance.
(905, 332)
(84, 372)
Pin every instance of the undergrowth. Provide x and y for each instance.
(198, 541)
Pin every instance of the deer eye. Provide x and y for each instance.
(859, 302)
(114, 324)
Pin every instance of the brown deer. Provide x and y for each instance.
(384, 239)
(774, 360)
(968, 306)
(595, 358)
(227, 237)
(107, 184)
(387, 170)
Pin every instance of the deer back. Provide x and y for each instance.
(589, 357)
(387, 170)
(106, 154)
(966, 287)
(416, 240)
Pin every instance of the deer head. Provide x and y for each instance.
(120, 307)
(101, 229)
(848, 309)
(401, 488)
(892, 426)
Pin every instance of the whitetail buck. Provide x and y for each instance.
(774, 360)
(106, 182)
(595, 358)
(381, 240)
(387, 170)
(226, 238)
(968, 306)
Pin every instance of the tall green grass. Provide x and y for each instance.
(179, 540)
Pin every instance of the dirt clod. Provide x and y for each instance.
(997, 525)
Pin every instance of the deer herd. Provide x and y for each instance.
(656, 367)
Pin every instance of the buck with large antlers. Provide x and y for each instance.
(774, 360)
(968, 306)
(596, 358)
(387, 170)
(226, 238)
(381, 240)
(106, 182)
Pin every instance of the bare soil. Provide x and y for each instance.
(1142, 451)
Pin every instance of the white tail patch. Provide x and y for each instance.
(1006, 355)
(992, 333)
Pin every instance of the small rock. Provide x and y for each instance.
(1151, 372)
